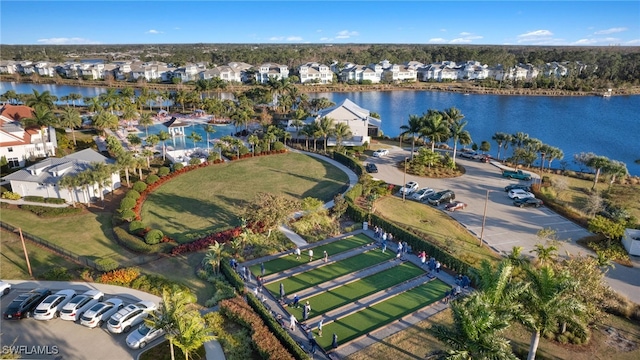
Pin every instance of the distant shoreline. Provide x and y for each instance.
(456, 87)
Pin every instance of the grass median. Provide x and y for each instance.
(289, 261)
(346, 294)
(382, 313)
(325, 273)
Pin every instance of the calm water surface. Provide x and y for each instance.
(605, 126)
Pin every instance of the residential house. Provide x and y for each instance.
(360, 73)
(45, 69)
(271, 70)
(42, 178)
(188, 73)
(315, 73)
(18, 144)
(398, 73)
(359, 120)
(234, 72)
(8, 67)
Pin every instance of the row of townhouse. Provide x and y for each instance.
(311, 72)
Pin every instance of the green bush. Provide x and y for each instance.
(45, 211)
(195, 161)
(154, 284)
(139, 186)
(106, 264)
(151, 179)
(223, 291)
(54, 201)
(57, 274)
(135, 227)
(232, 277)
(128, 215)
(11, 195)
(39, 199)
(277, 146)
(177, 166)
(132, 194)
(126, 204)
(163, 171)
(131, 242)
(154, 236)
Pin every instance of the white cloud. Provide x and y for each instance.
(465, 34)
(611, 31)
(66, 41)
(536, 34)
(585, 42)
(437, 40)
(460, 41)
(539, 37)
(153, 31)
(345, 34)
(276, 38)
(597, 41)
(294, 38)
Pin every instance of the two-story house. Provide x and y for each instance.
(315, 73)
(18, 144)
(271, 70)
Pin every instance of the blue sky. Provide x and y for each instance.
(590, 23)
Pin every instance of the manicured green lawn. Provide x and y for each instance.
(289, 261)
(378, 315)
(322, 274)
(87, 234)
(212, 198)
(364, 287)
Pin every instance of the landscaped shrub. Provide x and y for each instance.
(151, 179)
(39, 199)
(45, 211)
(11, 195)
(203, 243)
(131, 242)
(122, 277)
(132, 194)
(195, 161)
(277, 146)
(128, 215)
(223, 291)
(57, 274)
(135, 227)
(106, 264)
(153, 237)
(154, 284)
(126, 204)
(54, 201)
(164, 171)
(177, 167)
(232, 277)
(139, 186)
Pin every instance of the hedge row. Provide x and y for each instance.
(348, 162)
(132, 242)
(232, 277)
(222, 237)
(45, 211)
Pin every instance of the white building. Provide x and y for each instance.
(42, 179)
(271, 70)
(313, 72)
(18, 144)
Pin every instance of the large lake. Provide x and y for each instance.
(605, 126)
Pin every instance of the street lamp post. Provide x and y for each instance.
(24, 248)
(404, 180)
(484, 217)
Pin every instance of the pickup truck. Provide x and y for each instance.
(516, 175)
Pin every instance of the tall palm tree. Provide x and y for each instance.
(69, 182)
(129, 113)
(70, 118)
(146, 121)
(220, 145)
(152, 141)
(43, 118)
(101, 174)
(170, 310)
(94, 104)
(341, 131)
(181, 97)
(500, 138)
(518, 139)
(459, 135)
(554, 153)
(164, 136)
(325, 128)
(105, 120)
(208, 129)
(111, 99)
(134, 140)
(214, 256)
(44, 99)
(253, 140)
(125, 161)
(74, 97)
(307, 131)
(435, 128)
(412, 128)
(191, 333)
(195, 137)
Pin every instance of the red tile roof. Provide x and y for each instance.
(16, 112)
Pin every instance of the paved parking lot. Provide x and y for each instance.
(505, 225)
(60, 339)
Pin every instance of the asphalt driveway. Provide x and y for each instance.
(505, 225)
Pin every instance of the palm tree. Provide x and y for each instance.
(44, 99)
(501, 139)
(341, 131)
(208, 129)
(105, 120)
(170, 310)
(220, 145)
(101, 174)
(195, 137)
(11, 96)
(597, 163)
(549, 303)
(412, 128)
(253, 140)
(518, 139)
(307, 131)
(152, 141)
(134, 140)
(146, 121)
(164, 136)
(129, 113)
(191, 333)
(43, 118)
(70, 118)
(214, 256)
(94, 104)
(459, 134)
(325, 129)
(554, 153)
(69, 182)
(111, 99)
(125, 161)
(181, 96)
(435, 128)
(73, 97)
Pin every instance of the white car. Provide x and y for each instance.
(520, 194)
(380, 153)
(409, 188)
(79, 304)
(50, 307)
(143, 336)
(130, 316)
(100, 312)
(422, 194)
(5, 287)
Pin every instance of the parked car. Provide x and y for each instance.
(5, 288)
(50, 307)
(371, 168)
(100, 312)
(520, 175)
(456, 205)
(485, 158)
(409, 188)
(79, 304)
(22, 305)
(380, 152)
(441, 196)
(528, 202)
(520, 194)
(143, 336)
(422, 194)
(129, 316)
(468, 154)
(517, 186)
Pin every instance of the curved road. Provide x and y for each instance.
(505, 225)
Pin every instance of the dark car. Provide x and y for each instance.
(441, 197)
(528, 202)
(371, 168)
(524, 187)
(22, 305)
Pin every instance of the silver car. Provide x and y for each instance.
(422, 194)
(143, 336)
(79, 304)
(50, 307)
(100, 312)
(130, 316)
